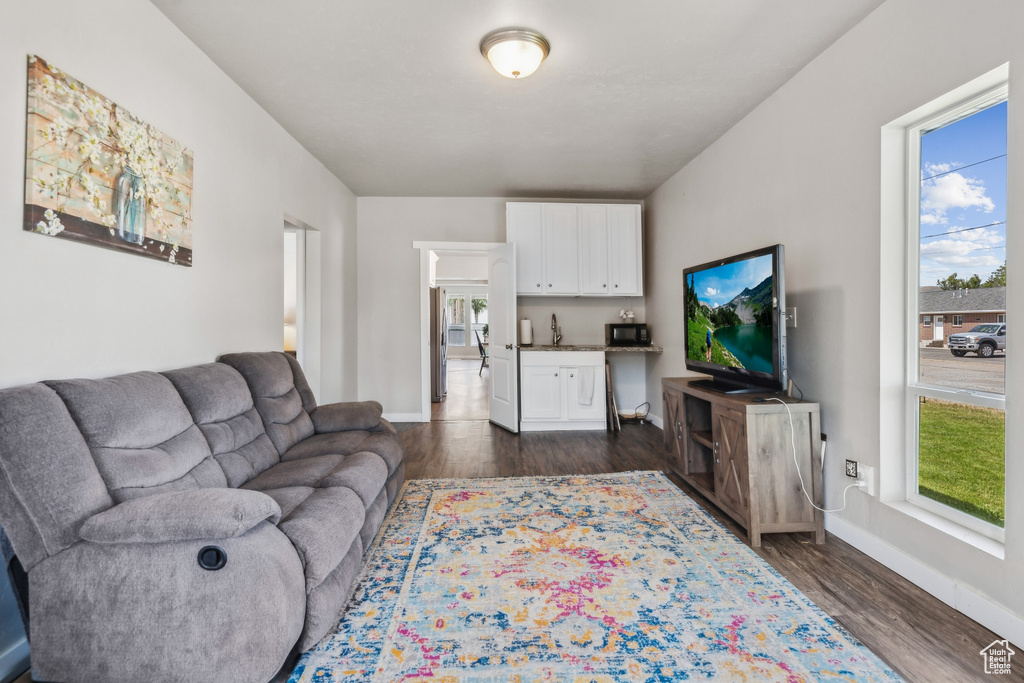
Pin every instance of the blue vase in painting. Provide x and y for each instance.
(130, 207)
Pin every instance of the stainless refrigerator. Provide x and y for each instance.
(438, 344)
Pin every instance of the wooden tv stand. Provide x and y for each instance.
(736, 451)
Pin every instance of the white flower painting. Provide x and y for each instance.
(95, 173)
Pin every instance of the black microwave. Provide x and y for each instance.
(627, 334)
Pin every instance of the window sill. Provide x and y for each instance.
(961, 533)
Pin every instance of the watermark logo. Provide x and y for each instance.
(997, 657)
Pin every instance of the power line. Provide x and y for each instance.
(953, 232)
(960, 168)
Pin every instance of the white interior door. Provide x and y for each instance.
(503, 335)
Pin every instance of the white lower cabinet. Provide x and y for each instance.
(561, 390)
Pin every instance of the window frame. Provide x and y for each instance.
(914, 389)
(927, 321)
(958, 320)
(1001, 318)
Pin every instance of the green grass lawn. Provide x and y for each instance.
(961, 458)
(697, 340)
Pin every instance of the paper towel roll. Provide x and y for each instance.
(525, 332)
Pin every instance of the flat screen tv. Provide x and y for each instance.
(735, 329)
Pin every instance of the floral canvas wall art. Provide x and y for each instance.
(95, 173)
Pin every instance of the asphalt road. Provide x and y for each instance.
(939, 366)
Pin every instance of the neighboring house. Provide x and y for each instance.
(948, 311)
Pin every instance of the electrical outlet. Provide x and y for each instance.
(851, 469)
(866, 479)
(791, 317)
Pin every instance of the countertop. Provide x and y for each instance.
(607, 349)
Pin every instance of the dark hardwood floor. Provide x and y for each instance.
(919, 636)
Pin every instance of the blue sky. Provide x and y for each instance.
(954, 197)
(720, 285)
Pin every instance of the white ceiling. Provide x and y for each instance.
(395, 99)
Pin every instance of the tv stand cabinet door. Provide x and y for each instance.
(732, 482)
(672, 403)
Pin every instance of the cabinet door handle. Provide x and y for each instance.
(538, 284)
(508, 346)
(549, 284)
(715, 449)
(604, 285)
(616, 286)
(571, 375)
(556, 374)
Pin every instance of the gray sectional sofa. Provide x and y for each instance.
(191, 525)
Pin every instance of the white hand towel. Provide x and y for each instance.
(585, 387)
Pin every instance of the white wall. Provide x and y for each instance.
(76, 310)
(804, 169)
(461, 267)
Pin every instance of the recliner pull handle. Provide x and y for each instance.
(212, 558)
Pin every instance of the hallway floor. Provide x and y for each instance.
(467, 397)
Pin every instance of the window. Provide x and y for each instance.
(956, 242)
(1001, 318)
(927, 321)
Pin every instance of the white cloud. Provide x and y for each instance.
(710, 291)
(964, 253)
(951, 191)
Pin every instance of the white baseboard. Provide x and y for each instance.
(962, 598)
(404, 417)
(656, 421)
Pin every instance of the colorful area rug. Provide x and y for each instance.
(617, 577)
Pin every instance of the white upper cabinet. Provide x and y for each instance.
(577, 249)
(626, 250)
(594, 249)
(561, 249)
(525, 228)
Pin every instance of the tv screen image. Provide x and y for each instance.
(730, 315)
(733, 327)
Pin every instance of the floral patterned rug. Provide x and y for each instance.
(617, 577)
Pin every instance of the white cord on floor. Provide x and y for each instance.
(792, 440)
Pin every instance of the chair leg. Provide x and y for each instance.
(483, 362)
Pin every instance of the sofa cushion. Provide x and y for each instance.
(322, 529)
(363, 473)
(140, 433)
(49, 484)
(219, 401)
(289, 497)
(343, 443)
(385, 444)
(306, 472)
(272, 382)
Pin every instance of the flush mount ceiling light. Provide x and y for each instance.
(514, 52)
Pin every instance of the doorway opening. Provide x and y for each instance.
(460, 350)
(302, 296)
(469, 395)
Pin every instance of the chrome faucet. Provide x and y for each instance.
(556, 331)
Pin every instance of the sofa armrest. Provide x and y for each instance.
(343, 417)
(182, 516)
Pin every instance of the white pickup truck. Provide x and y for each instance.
(984, 340)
